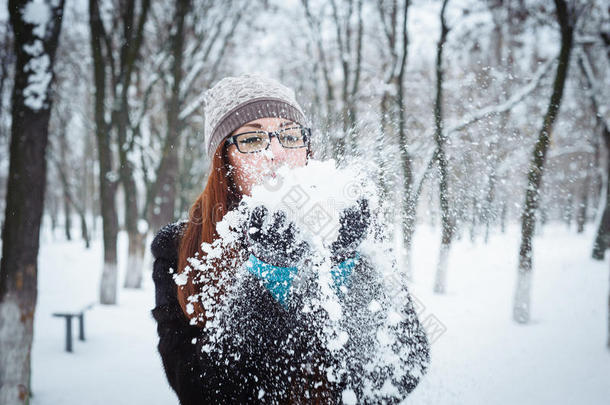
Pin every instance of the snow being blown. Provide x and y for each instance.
(364, 337)
(313, 197)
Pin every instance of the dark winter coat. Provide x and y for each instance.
(263, 371)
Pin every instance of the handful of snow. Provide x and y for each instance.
(313, 197)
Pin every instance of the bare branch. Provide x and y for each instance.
(584, 62)
(507, 105)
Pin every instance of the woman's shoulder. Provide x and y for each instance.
(165, 242)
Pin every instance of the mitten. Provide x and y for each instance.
(273, 239)
(354, 223)
(274, 251)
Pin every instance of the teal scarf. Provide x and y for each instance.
(279, 279)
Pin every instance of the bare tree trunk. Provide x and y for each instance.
(66, 198)
(164, 189)
(569, 211)
(67, 217)
(6, 54)
(351, 73)
(31, 110)
(352, 106)
(131, 43)
(84, 229)
(107, 177)
(581, 214)
(441, 158)
(608, 342)
(398, 44)
(51, 208)
(315, 27)
(79, 207)
(489, 199)
(473, 220)
(503, 217)
(602, 238)
(85, 194)
(341, 142)
(503, 58)
(383, 182)
(521, 308)
(409, 203)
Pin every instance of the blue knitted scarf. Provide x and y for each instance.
(279, 279)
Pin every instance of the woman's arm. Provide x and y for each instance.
(414, 347)
(196, 376)
(175, 346)
(406, 360)
(191, 373)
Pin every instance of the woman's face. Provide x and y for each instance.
(249, 169)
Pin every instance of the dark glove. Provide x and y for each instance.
(354, 223)
(276, 243)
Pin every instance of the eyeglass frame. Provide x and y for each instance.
(232, 139)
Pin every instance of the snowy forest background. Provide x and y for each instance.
(487, 121)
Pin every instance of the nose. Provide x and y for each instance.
(279, 154)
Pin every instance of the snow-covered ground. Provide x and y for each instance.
(118, 363)
(486, 358)
(482, 357)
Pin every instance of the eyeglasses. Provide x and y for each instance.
(256, 141)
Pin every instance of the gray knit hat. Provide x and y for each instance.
(234, 101)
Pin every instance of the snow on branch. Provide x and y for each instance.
(581, 148)
(594, 89)
(507, 105)
(192, 106)
(420, 178)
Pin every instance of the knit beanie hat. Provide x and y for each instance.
(235, 101)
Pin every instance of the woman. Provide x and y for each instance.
(269, 351)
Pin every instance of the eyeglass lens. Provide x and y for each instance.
(257, 141)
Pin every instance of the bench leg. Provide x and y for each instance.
(81, 327)
(68, 333)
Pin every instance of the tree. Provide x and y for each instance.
(315, 27)
(131, 40)
(7, 61)
(440, 139)
(602, 238)
(36, 27)
(186, 63)
(122, 67)
(348, 36)
(71, 167)
(521, 307)
(165, 184)
(107, 178)
(62, 165)
(398, 44)
(350, 57)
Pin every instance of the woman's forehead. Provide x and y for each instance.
(267, 122)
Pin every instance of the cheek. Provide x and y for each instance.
(248, 168)
(298, 158)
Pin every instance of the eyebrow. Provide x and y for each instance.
(259, 126)
(253, 124)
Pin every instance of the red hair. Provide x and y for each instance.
(218, 197)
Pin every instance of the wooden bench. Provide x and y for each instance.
(81, 324)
